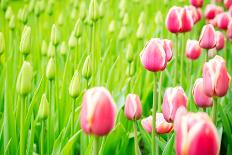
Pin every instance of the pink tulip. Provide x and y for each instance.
(173, 99)
(220, 40)
(207, 38)
(98, 112)
(133, 107)
(162, 126)
(193, 50)
(195, 134)
(167, 45)
(186, 20)
(222, 20)
(153, 56)
(230, 11)
(212, 10)
(216, 79)
(196, 3)
(200, 98)
(173, 20)
(227, 3)
(229, 31)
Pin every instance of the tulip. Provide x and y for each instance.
(212, 10)
(140, 32)
(200, 98)
(173, 99)
(129, 53)
(222, 20)
(193, 50)
(44, 48)
(133, 107)
(207, 38)
(162, 126)
(43, 108)
(2, 43)
(153, 56)
(186, 20)
(220, 40)
(55, 35)
(196, 13)
(93, 11)
(51, 50)
(87, 70)
(216, 79)
(72, 42)
(98, 112)
(173, 20)
(167, 45)
(195, 134)
(25, 41)
(63, 48)
(12, 23)
(75, 84)
(229, 31)
(50, 70)
(111, 28)
(227, 3)
(196, 3)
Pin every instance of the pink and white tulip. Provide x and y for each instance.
(193, 50)
(212, 10)
(216, 79)
(195, 134)
(98, 112)
(133, 107)
(173, 19)
(222, 20)
(200, 98)
(186, 20)
(229, 31)
(173, 99)
(197, 3)
(220, 40)
(207, 38)
(162, 126)
(227, 3)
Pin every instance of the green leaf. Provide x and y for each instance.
(169, 146)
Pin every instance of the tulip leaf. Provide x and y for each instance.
(168, 150)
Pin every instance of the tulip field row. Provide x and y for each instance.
(124, 77)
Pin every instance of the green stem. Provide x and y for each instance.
(154, 117)
(160, 90)
(22, 149)
(206, 56)
(50, 115)
(182, 57)
(73, 117)
(136, 139)
(42, 138)
(95, 146)
(214, 111)
(176, 60)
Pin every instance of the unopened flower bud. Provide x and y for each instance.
(9, 13)
(51, 69)
(158, 18)
(25, 42)
(72, 42)
(61, 20)
(74, 87)
(24, 81)
(44, 48)
(63, 48)
(125, 19)
(43, 108)
(12, 23)
(142, 18)
(50, 8)
(122, 34)
(131, 70)
(83, 11)
(77, 29)
(2, 43)
(101, 10)
(129, 53)
(140, 32)
(23, 15)
(51, 50)
(93, 11)
(86, 70)
(111, 28)
(4, 4)
(55, 35)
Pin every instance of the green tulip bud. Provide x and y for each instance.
(77, 29)
(122, 13)
(111, 28)
(42, 5)
(25, 42)
(24, 81)
(76, 4)
(93, 11)
(74, 87)
(37, 9)
(44, 48)
(9, 13)
(2, 43)
(131, 69)
(159, 18)
(51, 69)
(23, 15)
(4, 4)
(129, 53)
(140, 32)
(87, 70)
(43, 108)
(122, 5)
(83, 11)
(51, 50)
(125, 19)
(101, 10)
(12, 23)
(73, 14)
(50, 8)
(72, 42)
(63, 48)
(61, 20)
(31, 5)
(55, 35)
(122, 33)
(142, 18)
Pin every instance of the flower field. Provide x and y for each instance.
(123, 77)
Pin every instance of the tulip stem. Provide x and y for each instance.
(176, 61)
(160, 89)
(136, 139)
(42, 138)
(73, 116)
(50, 114)
(214, 111)
(154, 117)
(95, 146)
(22, 149)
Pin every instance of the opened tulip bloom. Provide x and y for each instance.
(196, 3)
(200, 98)
(193, 50)
(216, 79)
(222, 20)
(211, 11)
(173, 99)
(133, 107)
(207, 38)
(98, 112)
(195, 134)
(227, 3)
(220, 40)
(162, 126)
(173, 19)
